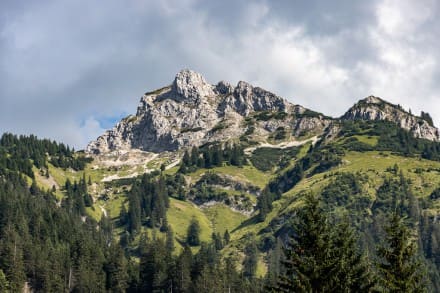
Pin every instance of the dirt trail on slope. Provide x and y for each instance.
(282, 145)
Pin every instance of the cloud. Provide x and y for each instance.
(68, 66)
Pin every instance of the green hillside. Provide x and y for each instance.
(245, 198)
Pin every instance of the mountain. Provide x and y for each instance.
(192, 112)
(205, 185)
(376, 109)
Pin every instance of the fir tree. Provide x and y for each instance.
(226, 236)
(322, 257)
(399, 269)
(4, 284)
(193, 234)
(251, 259)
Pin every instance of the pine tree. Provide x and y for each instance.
(193, 234)
(116, 269)
(400, 270)
(217, 240)
(170, 241)
(322, 257)
(251, 259)
(182, 272)
(123, 216)
(134, 213)
(274, 265)
(226, 236)
(34, 187)
(4, 284)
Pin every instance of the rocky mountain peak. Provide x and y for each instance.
(191, 86)
(375, 109)
(192, 112)
(372, 100)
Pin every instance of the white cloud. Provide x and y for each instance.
(80, 59)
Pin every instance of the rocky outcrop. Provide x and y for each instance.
(192, 112)
(373, 108)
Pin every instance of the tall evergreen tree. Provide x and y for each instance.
(315, 261)
(226, 236)
(182, 271)
(250, 262)
(399, 268)
(193, 234)
(4, 284)
(116, 269)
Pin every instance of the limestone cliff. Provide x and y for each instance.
(192, 112)
(374, 108)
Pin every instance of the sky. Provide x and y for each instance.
(69, 69)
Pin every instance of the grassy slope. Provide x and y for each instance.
(179, 216)
(219, 217)
(246, 174)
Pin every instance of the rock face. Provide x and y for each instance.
(374, 108)
(192, 112)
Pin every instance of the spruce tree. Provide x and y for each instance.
(182, 271)
(226, 236)
(4, 284)
(399, 268)
(193, 234)
(250, 262)
(322, 256)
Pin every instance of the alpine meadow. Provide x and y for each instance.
(219, 146)
(216, 188)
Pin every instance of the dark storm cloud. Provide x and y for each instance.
(67, 68)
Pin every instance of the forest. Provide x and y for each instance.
(337, 241)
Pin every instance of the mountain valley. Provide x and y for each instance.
(240, 162)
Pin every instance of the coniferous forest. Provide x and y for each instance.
(219, 146)
(50, 243)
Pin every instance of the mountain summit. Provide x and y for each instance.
(192, 112)
(374, 109)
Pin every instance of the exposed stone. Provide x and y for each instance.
(192, 112)
(374, 108)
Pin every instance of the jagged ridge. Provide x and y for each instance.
(374, 109)
(192, 112)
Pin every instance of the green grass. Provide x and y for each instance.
(60, 175)
(222, 218)
(370, 140)
(247, 174)
(114, 205)
(375, 165)
(180, 215)
(94, 212)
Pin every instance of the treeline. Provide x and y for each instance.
(319, 158)
(53, 248)
(323, 255)
(77, 197)
(47, 246)
(391, 138)
(345, 200)
(212, 156)
(161, 270)
(148, 201)
(26, 151)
